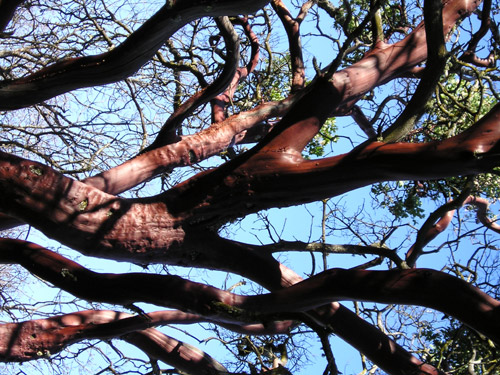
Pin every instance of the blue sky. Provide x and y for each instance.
(301, 223)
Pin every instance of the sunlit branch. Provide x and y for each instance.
(191, 149)
(415, 287)
(168, 132)
(283, 246)
(221, 101)
(120, 62)
(41, 338)
(292, 28)
(347, 86)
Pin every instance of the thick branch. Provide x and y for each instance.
(184, 357)
(120, 62)
(87, 219)
(295, 130)
(44, 337)
(422, 287)
(268, 178)
(414, 287)
(345, 87)
(191, 149)
(268, 272)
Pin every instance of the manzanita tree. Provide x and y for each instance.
(97, 99)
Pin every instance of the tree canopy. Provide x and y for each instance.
(145, 133)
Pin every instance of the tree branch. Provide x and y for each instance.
(220, 102)
(120, 62)
(31, 340)
(435, 224)
(294, 131)
(167, 134)
(334, 249)
(292, 28)
(470, 55)
(414, 287)
(436, 61)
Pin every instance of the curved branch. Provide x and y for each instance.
(87, 219)
(30, 340)
(292, 28)
(435, 224)
(345, 87)
(122, 289)
(470, 55)
(269, 173)
(436, 61)
(9, 222)
(319, 101)
(167, 133)
(424, 287)
(429, 230)
(190, 149)
(120, 62)
(183, 356)
(482, 205)
(365, 337)
(220, 102)
(414, 287)
(38, 338)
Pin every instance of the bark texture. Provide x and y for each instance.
(179, 226)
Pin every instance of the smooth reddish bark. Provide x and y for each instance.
(43, 337)
(222, 101)
(179, 226)
(345, 88)
(98, 223)
(168, 132)
(422, 287)
(120, 62)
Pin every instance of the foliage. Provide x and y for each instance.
(458, 350)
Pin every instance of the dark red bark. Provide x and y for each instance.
(120, 62)
(346, 87)
(222, 101)
(180, 225)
